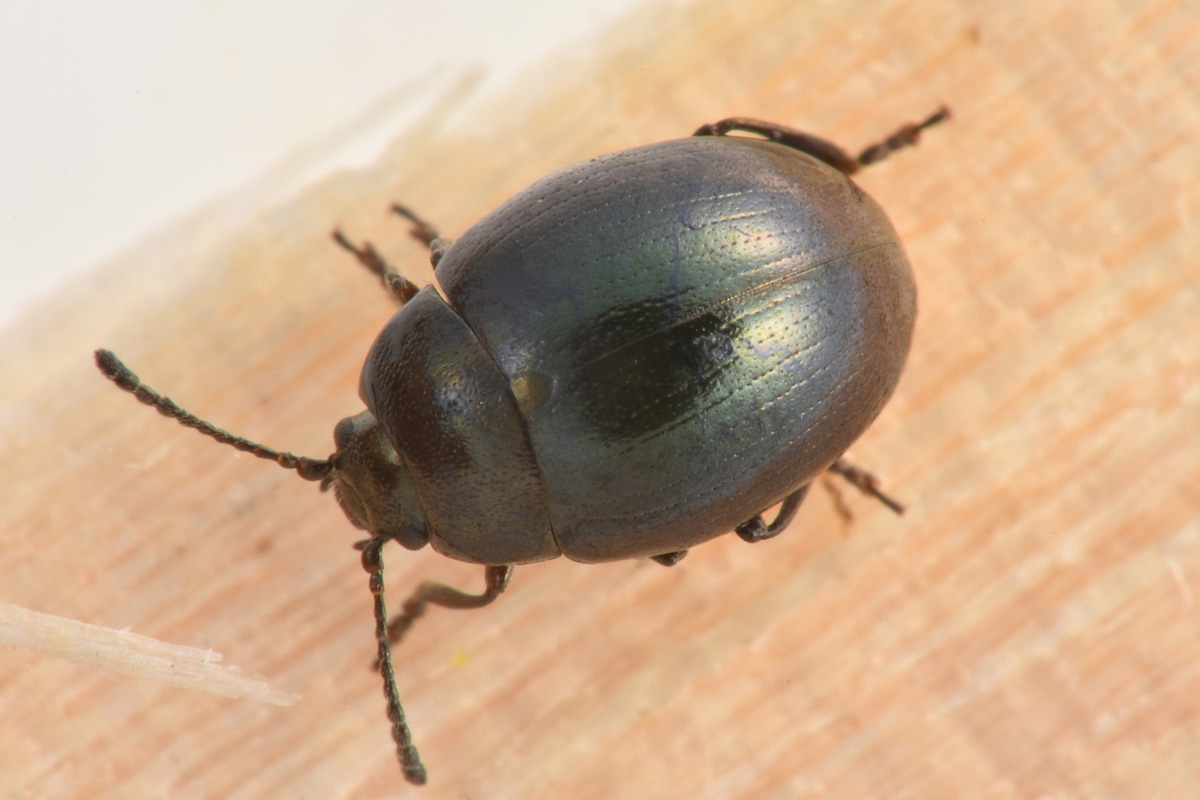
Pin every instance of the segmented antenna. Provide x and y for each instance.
(311, 469)
(406, 751)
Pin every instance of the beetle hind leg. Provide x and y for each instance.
(822, 149)
(815, 146)
(439, 594)
(756, 529)
(865, 482)
(907, 136)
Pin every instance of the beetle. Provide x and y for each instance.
(630, 357)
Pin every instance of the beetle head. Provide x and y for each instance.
(372, 484)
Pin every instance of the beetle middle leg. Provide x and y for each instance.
(822, 149)
(439, 594)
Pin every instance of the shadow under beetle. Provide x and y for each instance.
(634, 355)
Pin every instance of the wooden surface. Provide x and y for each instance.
(1029, 629)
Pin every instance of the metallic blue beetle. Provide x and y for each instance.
(634, 355)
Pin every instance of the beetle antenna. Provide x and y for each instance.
(406, 751)
(311, 469)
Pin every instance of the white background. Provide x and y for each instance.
(116, 117)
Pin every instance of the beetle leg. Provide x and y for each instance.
(840, 506)
(822, 149)
(439, 594)
(669, 559)
(401, 287)
(424, 232)
(865, 482)
(818, 148)
(755, 529)
(907, 136)
(422, 229)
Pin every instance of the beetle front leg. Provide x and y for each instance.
(439, 594)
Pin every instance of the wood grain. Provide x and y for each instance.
(1029, 629)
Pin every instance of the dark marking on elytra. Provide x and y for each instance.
(631, 384)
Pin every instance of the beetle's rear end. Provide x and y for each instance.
(691, 331)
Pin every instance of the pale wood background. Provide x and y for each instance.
(1029, 629)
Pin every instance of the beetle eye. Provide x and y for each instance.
(409, 538)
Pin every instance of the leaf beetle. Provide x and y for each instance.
(630, 357)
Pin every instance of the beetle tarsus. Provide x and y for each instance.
(907, 136)
(423, 231)
(865, 482)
